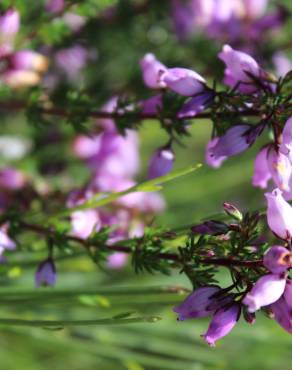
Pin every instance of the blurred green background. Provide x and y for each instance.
(167, 344)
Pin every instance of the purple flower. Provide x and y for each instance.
(234, 141)
(197, 303)
(262, 173)
(277, 259)
(46, 273)
(184, 81)
(280, 169)
(212, 161)
(239, 69)
(286, 145)
(282, 309)
(161, 163)
(282, 64)
(222, 323)
(279, 214)
(152, 70)
(72, 60)
(197, 104)
(267, 290)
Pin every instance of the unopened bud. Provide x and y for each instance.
(232, 211)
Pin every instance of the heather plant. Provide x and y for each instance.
(80, 81)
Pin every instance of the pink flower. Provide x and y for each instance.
(286, 145)
(210, 159)
(55, 6)
(239, 69)
(9, 25)
(184, 81)
(280, 169)
(84, 223)
(11, 179)
(262, 173)
(267, 290)
(279, 214)
(277, 259)
(152, 70)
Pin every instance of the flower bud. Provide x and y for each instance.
(184, 81)
(277, 259)
(232, 211)
(196, 304)
(161, 163)
(46, 273)
(222, 323)
(197, 104)
(267, 290)
(279, 215)
(152, 70)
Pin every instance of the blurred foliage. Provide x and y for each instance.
(167, 344)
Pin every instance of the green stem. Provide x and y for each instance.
(63, 323)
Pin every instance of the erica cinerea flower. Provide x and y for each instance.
(46, 273)
(222, 323)
(282, 309)
(207, 301)
(262, 173)
(277, 259)
(197, 304)
(279, 214)
(267, 290)
(280, 169)
(152, 70)
(241, 70)
(286, 144)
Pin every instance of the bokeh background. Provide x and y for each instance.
(118, 45)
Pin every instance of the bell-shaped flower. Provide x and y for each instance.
(240, 69)
(117, 260)
(210, 159)
(280, 169)
(197, 104)
(277, 259)
(197, 303)
(279, 214)
(267, 290)
(153, 71)
(282, 309)
(286, 145)
(234, 141)
(46, 273)
(261, 174)
(222, 323)
(161, 163)
(152, 105)
(184, 81)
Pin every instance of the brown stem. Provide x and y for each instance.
(226, 262)
(56, 111)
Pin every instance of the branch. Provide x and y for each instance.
(226, 262)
